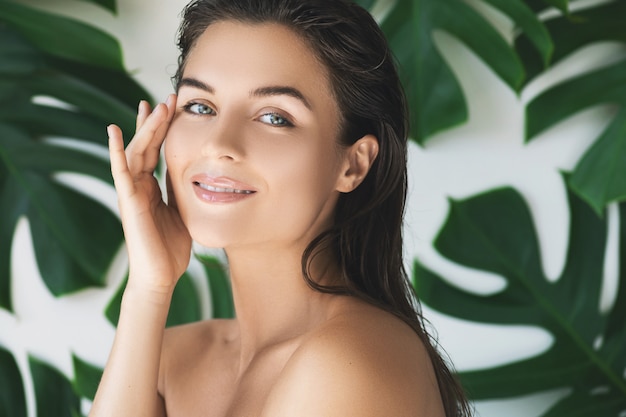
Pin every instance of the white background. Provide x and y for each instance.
(487, 152)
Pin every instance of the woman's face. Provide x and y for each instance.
(252, 151)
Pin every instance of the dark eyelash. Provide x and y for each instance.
(288, 122)
(187, 108)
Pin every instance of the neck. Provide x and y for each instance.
(273, 303)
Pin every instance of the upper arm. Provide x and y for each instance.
(344, 375)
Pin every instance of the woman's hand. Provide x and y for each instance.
(158, 242)
(159, 248)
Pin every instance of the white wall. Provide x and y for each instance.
(486, 152)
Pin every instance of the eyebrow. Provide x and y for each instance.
(273, 90)
(279, 90)
(195, 83)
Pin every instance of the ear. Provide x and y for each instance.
(358, 159)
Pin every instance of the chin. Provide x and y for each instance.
(212, 239)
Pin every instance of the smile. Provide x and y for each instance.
(221, 189)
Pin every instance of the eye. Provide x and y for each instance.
(198, 108)
(275, 119)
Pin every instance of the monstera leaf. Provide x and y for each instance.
(58, 78)
(86, 378)
(111, 5)
(437, 101)
(434, 94)
(600, 176)
(12, 398)
(219, 287)
(56, 395)
(494, 232)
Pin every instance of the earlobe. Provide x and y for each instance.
(359, 158)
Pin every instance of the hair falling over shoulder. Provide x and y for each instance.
(367, 233)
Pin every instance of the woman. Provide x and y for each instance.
(286, 146)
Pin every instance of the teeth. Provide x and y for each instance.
(222, 189)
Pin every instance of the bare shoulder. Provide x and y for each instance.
(363, 362)
(197, 336)
(187, 347)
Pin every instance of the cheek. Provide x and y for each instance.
(170, 153)
(174, 167)
(304, 181)
(290, 169)
(178, 155)
(178, 147)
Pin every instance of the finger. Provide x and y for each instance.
(143, 110)
(143, 151)
(153, 151)
(170, 103)
(119, 166)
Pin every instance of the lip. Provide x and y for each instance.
(220, 189)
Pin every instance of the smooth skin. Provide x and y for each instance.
(255, 110)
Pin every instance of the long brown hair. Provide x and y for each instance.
(367, 232)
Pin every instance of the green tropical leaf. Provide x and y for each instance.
(13, 203)
(19, 57)
(38, 120)
(185, 306)
(114, 83)
(86, 378)
(45, 159)
(495, 232)
(54, 394)
(68, 258)
(366, 4)
(433, 92)
(107, 4)
(63, 37)
(12, 399)
(89, 99)
(600, 176)
(603, 86)
(113, 308)
(542, 5)
(61, 244)
(97, 95)
(49, 86)
(569, 33)
(219, 286)
(527, 23)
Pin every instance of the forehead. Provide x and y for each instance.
(257, 54)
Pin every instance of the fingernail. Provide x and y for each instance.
(144, 108)
(168, 101)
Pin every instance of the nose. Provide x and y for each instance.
(224, 140)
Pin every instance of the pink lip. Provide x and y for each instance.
(220, 189)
